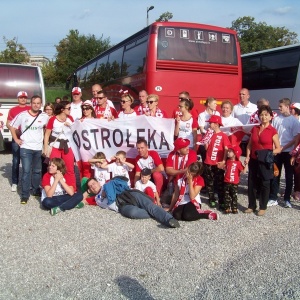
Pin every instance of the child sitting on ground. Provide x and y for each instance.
(120, 167)
(233, 169)
(147, 186)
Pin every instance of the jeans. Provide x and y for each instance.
(64, 202)
(145, 209)
(31, 165)
(283, 158)
(15, 148)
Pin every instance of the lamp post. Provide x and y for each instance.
(150, 8)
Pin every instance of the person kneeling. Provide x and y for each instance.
(186, 203)
(58, 192)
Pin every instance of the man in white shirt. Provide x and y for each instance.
(31, 123)
(245, 108)
(288, 129)
(76, 103)
(97, 88)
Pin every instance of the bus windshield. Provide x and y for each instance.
(14, 78)
(194, 45)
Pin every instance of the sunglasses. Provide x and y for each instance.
(86, 108)
(123, 101)
(150, 102)
(68, 108)
(101, 98)
(182, 99)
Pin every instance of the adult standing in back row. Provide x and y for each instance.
(13, 112)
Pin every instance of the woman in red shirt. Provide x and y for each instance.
(263, 137)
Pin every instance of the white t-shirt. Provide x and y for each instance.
(101, 175)
(205, 116)
(118, 170)
(33, 137)
(287, 127)
(186, 130)
(103, 202)
(186, 197)
(141, 187)
(76, 111)
(122, 115)
(231, 121)
(243, 113)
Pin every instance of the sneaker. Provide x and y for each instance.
(38, 193)
(235, 211)
(227, 211)
(288, 204)
(272, 203)
(213, 216)
(173, 223)
(24, 200)
(14, 187)
(55, 210)
(80, 205)
(248, 211)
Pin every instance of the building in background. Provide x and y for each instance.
(38, 60)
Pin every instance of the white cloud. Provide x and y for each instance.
(282, 10)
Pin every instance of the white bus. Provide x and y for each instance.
(273, 74)
(15, 78)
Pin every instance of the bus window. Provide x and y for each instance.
(114, 64)
(189, 44)
(134, 59)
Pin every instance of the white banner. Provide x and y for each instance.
(233, 129)
(98, 135)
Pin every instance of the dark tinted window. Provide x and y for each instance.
(196, 45)
(271, 70)
(134, 58)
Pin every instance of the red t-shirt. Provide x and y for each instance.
(14, 111)
(216, 148)
(152, 161)
(232, 171)
(262, 141)
(48, 178)
(100, 112)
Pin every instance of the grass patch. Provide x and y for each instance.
(52, 93)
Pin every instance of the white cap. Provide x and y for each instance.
(76, 90)
(295, 105)
(22, 94)
(88, 103)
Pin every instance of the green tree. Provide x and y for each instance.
(76, 49)
(260, 36)
(14, 52)
(50, 74)
(165, 17)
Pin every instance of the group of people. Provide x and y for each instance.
(43, 136)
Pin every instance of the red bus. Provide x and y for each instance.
(166, 58)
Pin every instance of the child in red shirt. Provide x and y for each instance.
(215, 161)
(232, 178)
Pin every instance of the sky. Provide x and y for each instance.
(40, 25)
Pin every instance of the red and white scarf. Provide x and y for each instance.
(194, 201)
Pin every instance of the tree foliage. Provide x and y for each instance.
(50, 74)
(260, 36)
(76, 49)
(165, 17)
(14, 52)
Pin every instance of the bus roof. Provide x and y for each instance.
(271, 50)
(146, 29)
